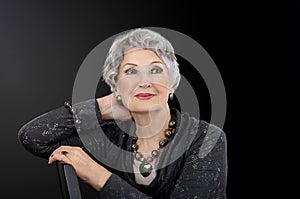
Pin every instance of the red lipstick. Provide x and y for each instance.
(144, 96)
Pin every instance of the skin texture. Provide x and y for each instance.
(141, 71)
(86, 168)
(136, 75)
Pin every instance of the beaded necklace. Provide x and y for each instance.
(146, 167)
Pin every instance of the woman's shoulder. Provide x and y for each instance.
(202, 126)
(204, 135)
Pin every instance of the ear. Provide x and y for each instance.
(116, 93)
(172, 90)
(115, 90)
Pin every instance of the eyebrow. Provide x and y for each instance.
(132, 64)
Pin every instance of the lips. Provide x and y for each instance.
(144, 96)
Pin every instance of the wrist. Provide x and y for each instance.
(105, 107)
(101, 179)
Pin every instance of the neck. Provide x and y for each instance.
(150, 127)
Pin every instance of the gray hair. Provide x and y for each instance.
(140, 38)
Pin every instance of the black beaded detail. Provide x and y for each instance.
(72, 110)
(68, 104)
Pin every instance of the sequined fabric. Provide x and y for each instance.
(200, 172)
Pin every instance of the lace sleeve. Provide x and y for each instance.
(43, 134)
(76, 125)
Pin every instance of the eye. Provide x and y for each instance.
(156, 70)
(131, 71)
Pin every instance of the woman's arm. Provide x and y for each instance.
(107, 184)
(43, 134)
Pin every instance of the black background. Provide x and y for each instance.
(43, 43)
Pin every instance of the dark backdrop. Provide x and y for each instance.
(43, 43)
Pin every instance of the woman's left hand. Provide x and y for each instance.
(86, 168)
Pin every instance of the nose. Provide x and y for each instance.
(145, 85)
(145, 79)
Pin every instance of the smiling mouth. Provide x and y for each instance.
(144, 96)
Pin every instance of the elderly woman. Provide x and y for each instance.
(142, 72)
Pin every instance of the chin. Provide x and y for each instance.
(145, 107)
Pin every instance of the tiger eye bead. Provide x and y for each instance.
(168, 133)
(162, 143)
(166, 139)
(134, 147)
(134, 140)
(172, 123)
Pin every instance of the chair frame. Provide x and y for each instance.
(69, 182)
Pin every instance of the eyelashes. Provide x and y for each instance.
(154, 70)
(130, 71)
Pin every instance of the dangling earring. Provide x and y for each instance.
(171, 95)
(119, 98)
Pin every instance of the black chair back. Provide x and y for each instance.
(69, 182)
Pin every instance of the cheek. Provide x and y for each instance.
(163, 85)
(125, 86)
(163, 91)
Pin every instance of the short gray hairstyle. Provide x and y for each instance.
(140, 38)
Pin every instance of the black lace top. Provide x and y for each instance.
(192, 165)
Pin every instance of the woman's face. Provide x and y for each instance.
(143, 81)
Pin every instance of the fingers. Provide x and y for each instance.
(63, 154)
(59, 157)
(85, 167)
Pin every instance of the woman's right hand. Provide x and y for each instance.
(111, 109)
(86, 168)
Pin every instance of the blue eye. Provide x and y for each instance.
(130, 71)
(156, 70)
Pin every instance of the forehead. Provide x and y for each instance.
(140, 56)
